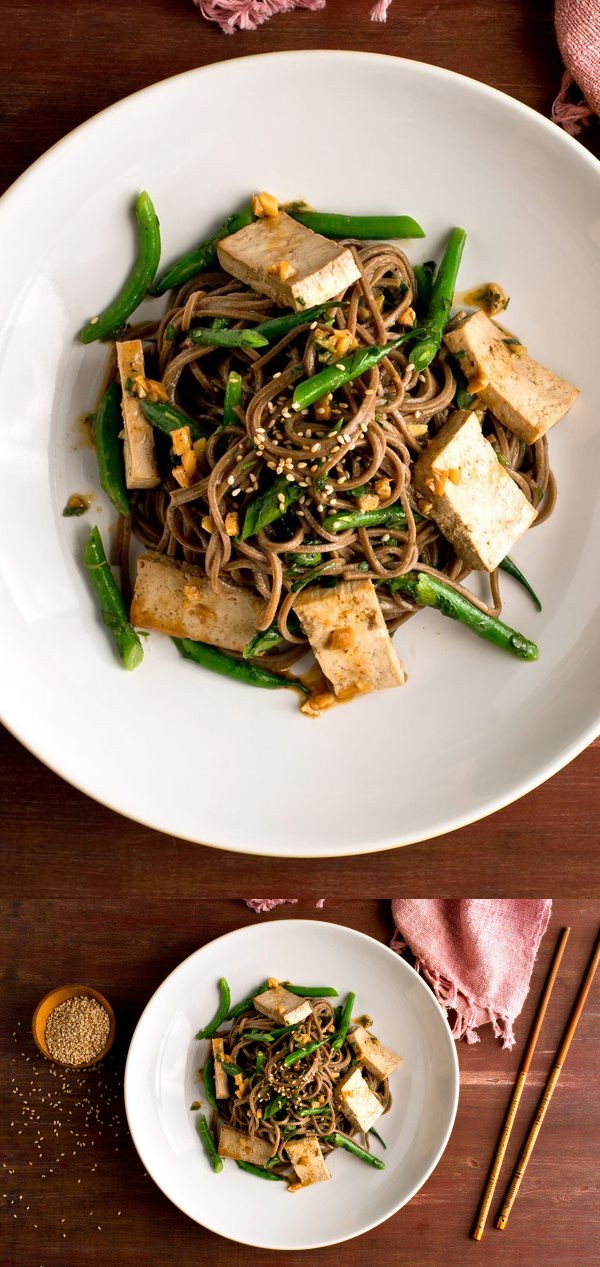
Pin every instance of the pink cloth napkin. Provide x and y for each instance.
(578, 35)
(476, 954)
(248, 14)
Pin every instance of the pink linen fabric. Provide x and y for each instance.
(477, 955)
(262, 905)
(578, 34)
(248, 14)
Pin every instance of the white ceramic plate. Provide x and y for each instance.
(474, 728)
(161, 1083)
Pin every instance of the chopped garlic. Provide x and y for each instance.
(232, 524)
(264, 204)
(181, 440)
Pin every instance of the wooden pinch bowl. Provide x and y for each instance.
(51, 1000)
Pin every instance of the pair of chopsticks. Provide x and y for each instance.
(548, 1091)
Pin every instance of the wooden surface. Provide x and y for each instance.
(61, 62)
(80, 1194)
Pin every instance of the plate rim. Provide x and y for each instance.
(566, 752)
(406, 970)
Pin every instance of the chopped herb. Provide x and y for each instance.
(196, 1105)
(459, 354)
(129, 385)
(502, 460)
(76, 505)
(539, 493)
(170, 332)
(513, 342)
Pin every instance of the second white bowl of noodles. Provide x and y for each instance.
(161, 1082)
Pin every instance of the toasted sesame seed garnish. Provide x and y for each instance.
(278, 374)
(230, 480)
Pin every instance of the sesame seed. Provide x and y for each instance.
(315, 447)
(417, 413)
(230, 480)
(236, 492)
(291, 478)
(340, 366)
(278, 374)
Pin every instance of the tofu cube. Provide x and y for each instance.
(320, 268)
(349, 637)
(307, 1159)
(177, 599)
(472, 498)
(281, 1006)
(141, 470)
(242, 1147)
(525, 396)
(221, 1081)
(379, 1060)
(357, 1102)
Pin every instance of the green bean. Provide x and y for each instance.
(209, 1081)
(209, 1144)
(269, 1035)
(442, 295)
(111, 602)
(269, 506)
(220, 1014)
(427, 591)
(109, 449)
(168, 418)
(343, 1141)
(344, 1024)
(305, 559)
(259, 1171)
(203, 256)
(241, 670)
(424, 275)
(245, 338)
(316, 1112)
(260, 1062)
(344, 371)
(233, 1070)
(139, 280)
(311, 991)
(333, 225)
(274, 1106)
(507, 565)
(233, 399)
(277, 327)
(246, 1003)
(463, 398)
(344, 520)
(377, 1136)
(302, 1052)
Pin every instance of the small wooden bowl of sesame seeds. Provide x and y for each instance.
(74, 1025)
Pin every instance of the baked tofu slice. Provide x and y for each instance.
(141, 470)
(379, 1060)
(525, 396)
(242, 1147)
(221, 1081)
(349, 637)
(357, 1102)
(282, 1006)
(177, 599)
(294, 265)
(307, 1159)
(471, 496)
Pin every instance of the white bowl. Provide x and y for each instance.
(161, 1083)
(171, 745)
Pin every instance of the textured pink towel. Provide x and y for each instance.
(578, 34)
(248, 14)
(476, 954)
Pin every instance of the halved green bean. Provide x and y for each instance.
(507, 565)
(139, 280)
(442, 295)
(311, 991)
(246, 1004)
(241, 670)
(427, 591)
(316, 1112)
(209, 1144)
(260, 1062)
(245, 338)
(344, 1024)
(168, 418)
(424, 275)
(377, 1136)
(274, 1107)
(208, 1074)
(232, 1069)
(270, 505)
(111, 603)
(203, 256)
(221, 1012)
(344, 371)
(343, 1141)
(344, 520)
(109, 449)
(233, 399)
(334, 225)
(277, 327)
(259, 1171)
(302, 1052)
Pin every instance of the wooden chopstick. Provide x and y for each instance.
(561, 1055)
(511, 1112)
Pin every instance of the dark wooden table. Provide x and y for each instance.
(76, 1192)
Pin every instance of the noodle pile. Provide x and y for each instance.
(371, 432)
